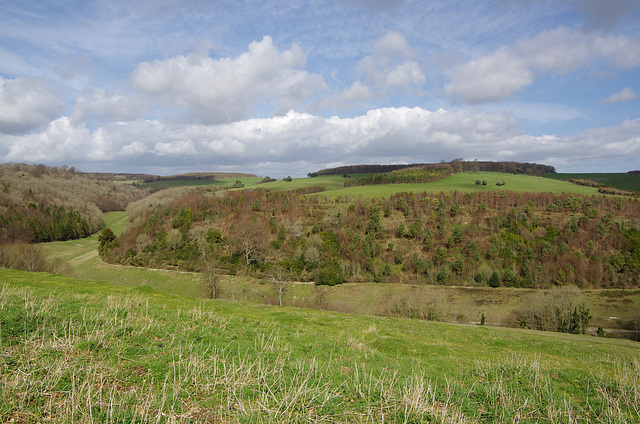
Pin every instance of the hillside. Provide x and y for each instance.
(39, 203)
(80, 351)
(452, 238)
(628, 181)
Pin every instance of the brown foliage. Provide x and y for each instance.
(530, 239)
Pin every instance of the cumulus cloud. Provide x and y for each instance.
(224, 90)
(490, 78)
(624, 95)
(313, 142)
(391, 66)
(561, 51)
(102, 105)
(26, 104)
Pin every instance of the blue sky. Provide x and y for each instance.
(285, 88)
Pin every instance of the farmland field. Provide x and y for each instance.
(616, 180)
(334, 185)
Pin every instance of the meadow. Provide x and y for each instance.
(334, 185)
(616, 180)
(79, 351)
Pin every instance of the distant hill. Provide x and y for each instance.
(197, 176)
(458, 165)
(41, 203)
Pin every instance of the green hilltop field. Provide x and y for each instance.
(334, 184)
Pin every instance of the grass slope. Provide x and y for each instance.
(617, 180)
(79, 258)
(334, 185)
(78, 351)
(466, 182)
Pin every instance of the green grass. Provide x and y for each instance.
(80, 351)
(79, 259)
(225, 182)
(334, 185)
(466, 182)
(617, 180)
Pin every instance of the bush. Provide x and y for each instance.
(330, 275)
(494, 281)
(559, 310)
(106, 241)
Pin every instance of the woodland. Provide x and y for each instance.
(40, 203)
(481, 238)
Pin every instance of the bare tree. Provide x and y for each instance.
(250, 239)
(209, 275)
(210, 278)
(279, 278)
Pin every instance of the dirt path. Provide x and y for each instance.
(83, 258)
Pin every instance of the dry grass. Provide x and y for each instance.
(98, 354)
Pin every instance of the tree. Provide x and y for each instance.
(278, 276)
(106, 241)
(330, 275)
(494, 281)
(250, 239)
(210, 278)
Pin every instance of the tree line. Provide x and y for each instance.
(416, 174)
(458, 165)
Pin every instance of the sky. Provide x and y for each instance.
(290, 87)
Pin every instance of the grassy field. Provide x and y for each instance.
(80, 351)
(225, 182)
(466, 182)
(617, 180)
(79, 259)
(334, 185)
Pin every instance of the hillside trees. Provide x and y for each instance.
(40, 203)
(526, 239)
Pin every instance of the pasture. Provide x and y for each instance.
(81, 351)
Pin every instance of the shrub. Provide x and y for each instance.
(559, 310)
(330, 275)
(494, 280)
(106, 241)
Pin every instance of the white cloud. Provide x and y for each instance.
(393, 44)
(266, 145)
(624, 95)
(100, 104)
(175, 148)
(26, 104)
(390, 67)
(490, 78)
(507, 71)
(225, 90)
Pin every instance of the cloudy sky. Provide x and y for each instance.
(289, 87)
